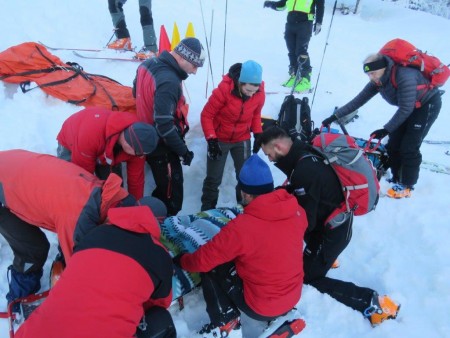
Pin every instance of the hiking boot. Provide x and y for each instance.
(121, 44)
(145, 54)
(399, 191)
(232, 329)
(380, 309)
(303, 85)
(290, 82)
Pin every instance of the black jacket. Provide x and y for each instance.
(316, 185)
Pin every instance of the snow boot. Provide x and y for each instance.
(380, 309)
(400, 191)
(121, 44)
(303, 85)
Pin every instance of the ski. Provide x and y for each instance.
(72, 49)
(93, 57)
(435, 142)
(309, 91)
(435, 167)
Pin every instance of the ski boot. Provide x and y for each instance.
(285, 326)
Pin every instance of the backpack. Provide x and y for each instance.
(405, 54)
(354, 170)
(295, 117)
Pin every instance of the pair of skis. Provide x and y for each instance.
(82, 53)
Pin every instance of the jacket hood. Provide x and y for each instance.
(139, 219)
(275, 206)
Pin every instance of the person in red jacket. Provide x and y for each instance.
(99, 140)
(254, 264)
(118, 272)
(231, 113)
(43, 191)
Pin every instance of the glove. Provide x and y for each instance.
(270, 4)
(257, 142)
(214, 151)
(187, 157)
(329, 120)
(317, 28)
(379, 133)
(177, 260)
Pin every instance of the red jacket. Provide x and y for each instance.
(59, 196)
(229, 118)
(266, 245)
(91, 135)
(109, 282)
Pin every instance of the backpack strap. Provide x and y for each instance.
(424, 87)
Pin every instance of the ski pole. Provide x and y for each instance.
(298, 73)
(209, 52)
(323, 55)
(225, 36)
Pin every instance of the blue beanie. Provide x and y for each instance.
(255, 177)
(251, 72)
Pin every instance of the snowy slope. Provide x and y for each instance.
(400, 249)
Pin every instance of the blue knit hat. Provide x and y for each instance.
(251, 72)
(255, 177)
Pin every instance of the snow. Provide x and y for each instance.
(400, 249)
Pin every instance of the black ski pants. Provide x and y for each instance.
(224, 295)
(29, 244)
(322, 249)
(404, 143)
(297, 36)
(168, 175)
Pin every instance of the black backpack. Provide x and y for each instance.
(295, 117)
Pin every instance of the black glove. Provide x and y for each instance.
(270, 4)
(187, 157)
(214, 151)
(177, 260)
(379, 133)
(329, 120)
(257, 142)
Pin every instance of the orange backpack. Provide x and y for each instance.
(405, 54)
(31, 62)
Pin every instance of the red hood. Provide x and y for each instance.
(275, 206)
(138, 219)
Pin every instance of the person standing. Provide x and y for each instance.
(254, 264)
(304, 17)
(100, 140)
(418, 107)
(43, 191)
(123, 41)
(319, 192)
(160, 102)
(231, 113)
(93, 299)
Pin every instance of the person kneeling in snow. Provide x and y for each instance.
(254, 264)
(119, 272)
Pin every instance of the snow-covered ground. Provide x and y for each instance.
(401, 249)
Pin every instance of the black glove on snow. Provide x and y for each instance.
(187, 157)
(257, 142)
(379, 133)
(270, 4)
(214, 151)
(177, 260)
(329, 120)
